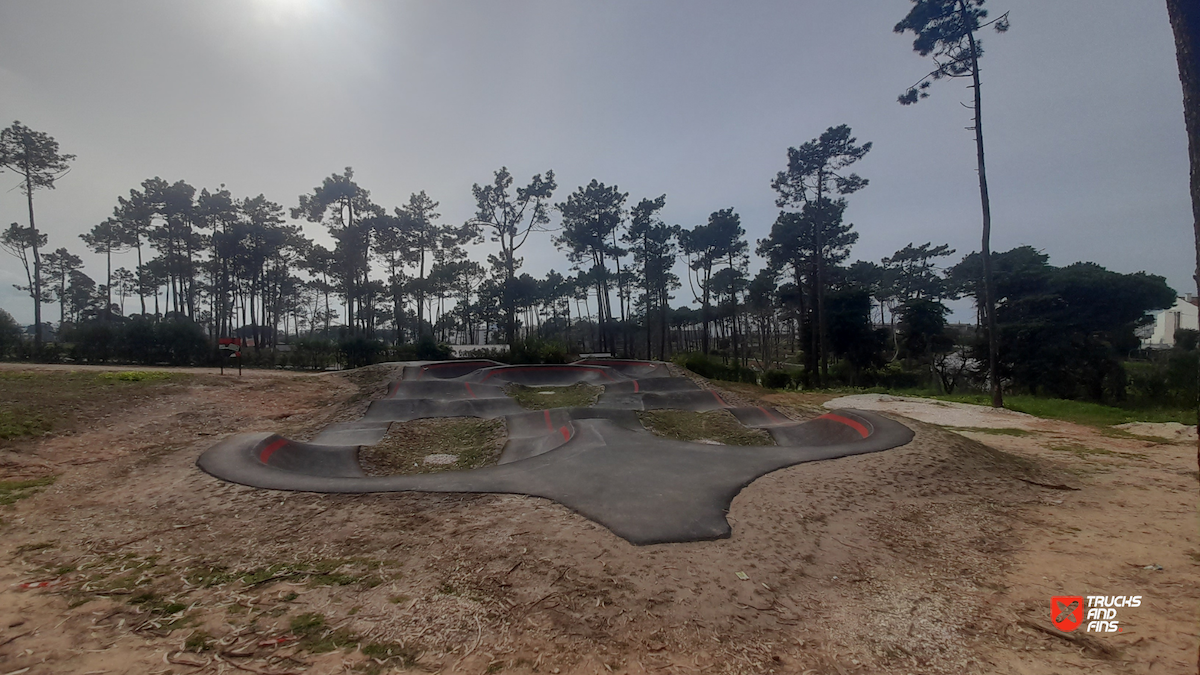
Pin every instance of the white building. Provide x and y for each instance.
(1184, 314)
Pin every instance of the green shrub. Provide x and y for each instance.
(535, 350)
(706, 366)
(313, 353)
(360, 351)
(776, 379)
(10, 336)
(429, 350)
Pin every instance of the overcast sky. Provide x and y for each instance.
(1087, 152)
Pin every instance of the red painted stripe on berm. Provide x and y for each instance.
(848, 422)
(768, 414)
(548, 424)
(270, 449)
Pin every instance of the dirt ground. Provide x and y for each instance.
(937, 557)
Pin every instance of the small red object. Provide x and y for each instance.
(39, 584)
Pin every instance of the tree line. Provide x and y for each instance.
(235, 266)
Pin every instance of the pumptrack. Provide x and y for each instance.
(598, 461)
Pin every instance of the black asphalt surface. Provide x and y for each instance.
(598, 461)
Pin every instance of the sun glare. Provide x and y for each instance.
(283, 11)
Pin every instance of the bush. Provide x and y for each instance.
(429, 350)
(93, 341)
(1169, 380)
(360, 351)
(182, 341)
(313, 353)
(536, 350)
(10, 336)
(776, 379)
(705, 366)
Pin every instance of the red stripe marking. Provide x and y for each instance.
(469, 391)
(636, 387)
(566, 434)
(548, 424)
(848, 422)
(768, 414)
(718, 397)
(270, 450)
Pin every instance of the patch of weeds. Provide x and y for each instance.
(161, 607)
(399, 599)
(198, 641)
(578, 395)
(714, 425)
(327, 572)
(473, 442)
(307, 624)
(19, 421)
(13, 490)
(78, 600)
(263, 574)
(403, 655)
(29, 548)
(34, 403)
(289, 597)
(316, 637)
(156, 604)
(136, 376)
(446, 588)
(495, 667)
(1113, 432)
(208, 576)
(1003, 431)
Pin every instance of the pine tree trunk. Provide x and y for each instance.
(1185, 23)
(37, 261)
(989, 290)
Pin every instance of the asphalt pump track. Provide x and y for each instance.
(598, 461)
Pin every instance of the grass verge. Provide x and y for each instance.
(36, 402)
(714, 425)
(1079, 412)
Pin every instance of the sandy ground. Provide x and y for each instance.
(937, 557)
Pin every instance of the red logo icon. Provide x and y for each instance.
(1066, 611)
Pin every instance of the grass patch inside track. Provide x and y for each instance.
(578, 395)
(714, 426)
(472, 443)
